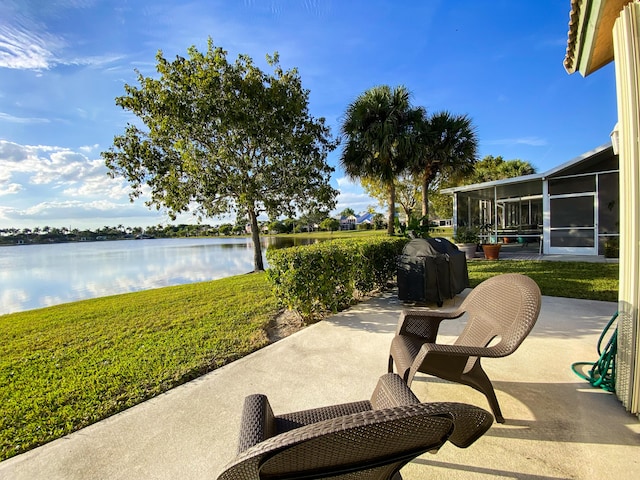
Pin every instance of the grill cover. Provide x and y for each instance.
(431, 270)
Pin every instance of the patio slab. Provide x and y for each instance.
(557, 426)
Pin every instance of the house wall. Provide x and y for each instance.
(626, 42)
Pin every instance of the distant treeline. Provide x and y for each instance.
(16, 236)
(306, 223)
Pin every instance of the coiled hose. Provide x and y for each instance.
(603, 372)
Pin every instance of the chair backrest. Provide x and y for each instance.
(369, 445)
(501, 311)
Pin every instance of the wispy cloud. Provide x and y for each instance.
(33, 48)
(345, 182)
(5, 117)
(22, 48)
(531, 141)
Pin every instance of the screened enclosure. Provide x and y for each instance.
(573, 208)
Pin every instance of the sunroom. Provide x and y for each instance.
(570, 209)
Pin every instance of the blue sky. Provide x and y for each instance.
(63, 62)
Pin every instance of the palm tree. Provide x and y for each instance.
(448, 147)
(379, 130)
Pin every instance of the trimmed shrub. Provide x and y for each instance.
(329, 276)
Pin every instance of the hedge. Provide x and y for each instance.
(329, 276)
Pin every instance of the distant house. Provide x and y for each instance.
(348, 222)
(351, 222)
(571, 209)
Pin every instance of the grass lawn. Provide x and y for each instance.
(67, 366)
(593, 281)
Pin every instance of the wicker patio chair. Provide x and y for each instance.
(500, 313)
(361, 440)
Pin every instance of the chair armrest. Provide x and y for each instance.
(392, 391)
(257, 422)
(493, 351)
(469, 422)
(447, 361)
(424, 323)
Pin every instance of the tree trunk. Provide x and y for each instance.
(425, 200)
(258, 265)
(392, 209)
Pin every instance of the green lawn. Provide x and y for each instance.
(594, 281)
(65, 367)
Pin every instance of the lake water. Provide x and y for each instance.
(34, 276)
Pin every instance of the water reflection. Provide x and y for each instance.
(285, 242)
(36, 276)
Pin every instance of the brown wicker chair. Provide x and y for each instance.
(500, 313)
(361, 440)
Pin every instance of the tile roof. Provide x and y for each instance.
(574, 17)
(590, 36)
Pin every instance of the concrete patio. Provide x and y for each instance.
(557, 426)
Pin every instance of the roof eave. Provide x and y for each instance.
(576, 160)
(527, 178)
(493, 183)
(590, 38)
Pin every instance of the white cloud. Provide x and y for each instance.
(101, 185)
(79, 214)
(58, 185)
(46, 165)
(6, 212)
(76, 208)
(10, 189)
(359, 202)
(89, 148)
(345, 182)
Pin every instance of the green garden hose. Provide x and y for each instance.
(603, 372)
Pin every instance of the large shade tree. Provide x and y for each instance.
(378, 129)
(219, 137)
(448, 149)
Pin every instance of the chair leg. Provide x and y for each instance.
(477, 378)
